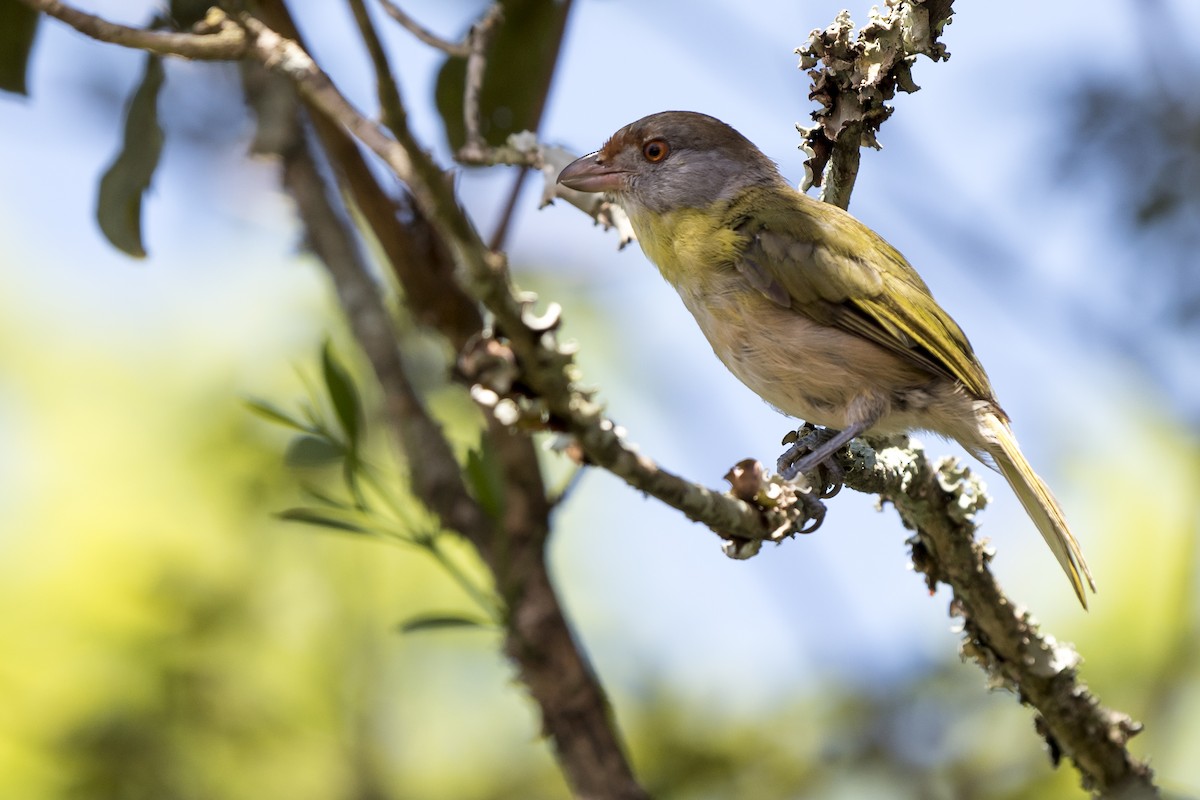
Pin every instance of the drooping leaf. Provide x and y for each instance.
(343, 394)
(18, 26)
(433, 622)
(321, 518)
(312, 451)
(520, 60)
(486, 479)
(119, 203)
(277, 415)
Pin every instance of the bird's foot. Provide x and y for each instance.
(811, 453)
(814, 509)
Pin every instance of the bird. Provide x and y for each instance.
(806, 305)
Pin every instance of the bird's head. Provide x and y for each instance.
(670, 161)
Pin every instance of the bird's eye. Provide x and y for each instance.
(655, 150)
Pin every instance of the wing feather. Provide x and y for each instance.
(820, 261)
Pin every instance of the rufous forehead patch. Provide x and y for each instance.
(615, 144)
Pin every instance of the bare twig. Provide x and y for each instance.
(478, 40)
(457, 49)
(500, 233)
(218, 39)
(386, 87)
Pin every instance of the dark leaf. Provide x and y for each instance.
(119, 204)
(343, 394)
(312, 451)
(321, 519)
(519, 64)
(18, 24)
(431, 622)
(486, 479)
(276, 415)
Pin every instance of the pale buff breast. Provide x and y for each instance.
(817, 373)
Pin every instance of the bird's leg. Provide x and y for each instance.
(803, 457)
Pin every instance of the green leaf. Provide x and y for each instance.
(432, 622)
(312, 451)
(486, 479)
(519, 65)
(277, 415)
(321, 518)
(343, 394)
(18, 25)
(119, 203)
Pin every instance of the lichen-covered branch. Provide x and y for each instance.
(938, 501)
(853, 78)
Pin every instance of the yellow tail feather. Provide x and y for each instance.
(1039, 503)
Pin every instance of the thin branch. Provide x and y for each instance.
(217, 38)
(386, 87)
(478, 40)
(500, 234)
(457, 49)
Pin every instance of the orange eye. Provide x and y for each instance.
(655, 150)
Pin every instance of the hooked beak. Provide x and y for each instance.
(588, 174)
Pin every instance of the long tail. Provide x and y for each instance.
(1039, 503)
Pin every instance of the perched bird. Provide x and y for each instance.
(806, 305)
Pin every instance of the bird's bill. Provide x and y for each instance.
(587, 174)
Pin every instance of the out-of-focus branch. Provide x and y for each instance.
(219, 40)
(500, 234)
(386, 87)
(458, 49)
(852, 80)
(479, 38)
